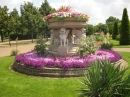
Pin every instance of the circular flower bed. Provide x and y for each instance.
(32, 59)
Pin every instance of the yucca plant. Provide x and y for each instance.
(64, 9)
(103, 79)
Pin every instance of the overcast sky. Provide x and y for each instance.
(97, 10)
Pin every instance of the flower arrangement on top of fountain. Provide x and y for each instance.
(66, 12)
(65, 9)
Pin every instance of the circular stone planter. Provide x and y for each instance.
(48, 72)
(67, 23)
(56, 72)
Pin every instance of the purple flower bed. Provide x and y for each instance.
(32, 59)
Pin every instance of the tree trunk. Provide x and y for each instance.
(2, 37)
(32, 37)
(9, 39)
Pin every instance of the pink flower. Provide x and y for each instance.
(32, 59)
(65, 14)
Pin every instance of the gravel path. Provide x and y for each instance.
(122, 49)
(23, 46)
(26, 45)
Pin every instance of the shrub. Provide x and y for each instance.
(98, 38)
(107, 46)
(40, 47)
(103, 79)
(124, 33)
(118, 37)
(14, 52)
(87, 46)
(115, 31)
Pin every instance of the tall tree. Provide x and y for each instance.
(115, 31)
(13, 23)
(31, 19)
(44, 10)
(124, 34)
(89, 29)
(3, 21)
(110, 23)
(102, 27)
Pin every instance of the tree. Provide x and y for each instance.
(44, 10)
(31, 19)
(112, 19)
(115, 31)
(89, 29)
(13, 23)
(3, 21)
(110, 23)
(102, 27)
(124, 34)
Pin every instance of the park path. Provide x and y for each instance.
(122, 49)
(26, 45)
(22, 47)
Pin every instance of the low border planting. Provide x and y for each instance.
(32, 59)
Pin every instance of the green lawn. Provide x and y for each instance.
(116, 44)
(126, 57)
(13, 84)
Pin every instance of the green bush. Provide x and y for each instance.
(14, 52)
(98, 38)
(87, 46)
(104, 79)
(40, 47)
(118, 37)
(106, 46)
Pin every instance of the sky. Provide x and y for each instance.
(98, 10)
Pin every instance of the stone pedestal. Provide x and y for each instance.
(63, 50)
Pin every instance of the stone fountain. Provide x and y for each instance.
(67, 29)
(66, 35)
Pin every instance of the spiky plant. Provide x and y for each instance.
(64, 9)
(103, 79)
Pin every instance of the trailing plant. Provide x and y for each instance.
(40, 47)
(104, 79)
(14, 52)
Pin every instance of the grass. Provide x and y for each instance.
(13, 84)
(116, 44)
(126, 57)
